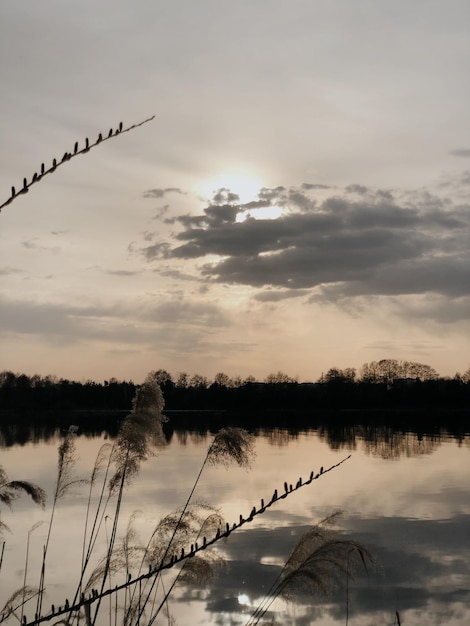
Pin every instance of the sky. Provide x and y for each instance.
(299, 202)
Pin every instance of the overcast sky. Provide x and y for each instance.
(300, 201)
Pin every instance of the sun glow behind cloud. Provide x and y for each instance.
(245, 186)
(235, 187)
(264, 213)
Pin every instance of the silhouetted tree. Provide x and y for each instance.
(279, 377)
(336, 375)
(222, 380)
(199, 382)
(182, 380)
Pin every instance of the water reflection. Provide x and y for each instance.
(405, 496)
(379, 439)
(382, 441)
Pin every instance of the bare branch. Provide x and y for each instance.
(66, 157)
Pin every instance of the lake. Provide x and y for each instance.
(404, 496)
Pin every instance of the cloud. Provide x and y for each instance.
(180, 311)
(361, 189)
(309, 186)
(380, 244)
(32, 245)
(275, 295)
(461, 152)
(159, 193)
(121, 272)
(8, 271)
(176, 325)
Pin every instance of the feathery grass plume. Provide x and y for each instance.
(319, 561)
(141, 429)
(202, 569)
(187, 526)
(17, 600)
(232, 444)
(65, 465)
(197, 520)
(10, 490)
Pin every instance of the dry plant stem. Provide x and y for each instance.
(96, 526)
(67, 157)
(85, 603)
(32, 529)
(113, 535)
(64, 482)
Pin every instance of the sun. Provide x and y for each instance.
(246, 187)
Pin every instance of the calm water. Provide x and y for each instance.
(406, 498)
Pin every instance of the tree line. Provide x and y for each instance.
(388, 383)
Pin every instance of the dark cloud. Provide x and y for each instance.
(461, 152)
(224, 196)
(341, 248)
(309, 186)
(157, 250)
(121, 272)
(222, 214)
(159, 193)
(361, 189)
